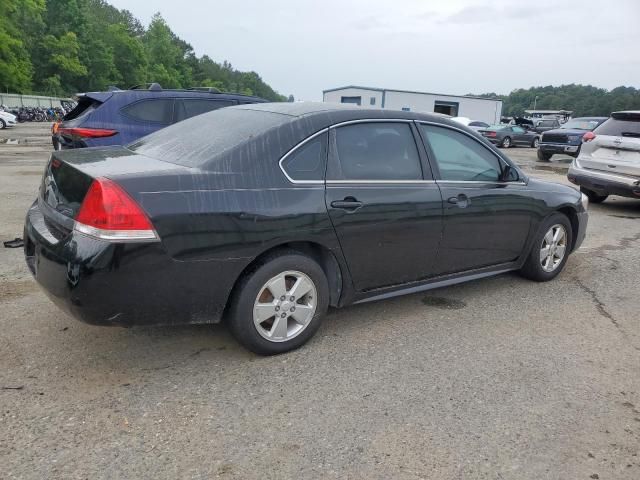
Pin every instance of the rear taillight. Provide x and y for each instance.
(587, 137)
(491, 134)
(109, 213)
(86, 132)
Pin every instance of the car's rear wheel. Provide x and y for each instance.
(3, 125)
(506, 142)
(593, 196)
(544, 157)
(550, 249)
(535, 142)
(279, 305)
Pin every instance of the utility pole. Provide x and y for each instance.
(535, 102)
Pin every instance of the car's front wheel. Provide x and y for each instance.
(279, 304)
(3, 124)
(550, 249)
(506, 142)
(535, 142)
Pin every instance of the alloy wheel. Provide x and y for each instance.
(554, 248)
(285, 306)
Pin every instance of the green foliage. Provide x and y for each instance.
(583, 100)
(64, 46)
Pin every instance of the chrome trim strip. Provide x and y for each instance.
(477, 182)
(377, 182)
(117, 235)
(372, 120)
(284, 157)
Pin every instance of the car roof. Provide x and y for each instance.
(317, 109)
(138, 93)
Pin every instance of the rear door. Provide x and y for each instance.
(520, 136)
(486, 220)
(616, 146)
(386, 212)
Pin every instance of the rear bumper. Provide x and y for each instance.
(604, 183)
(559, 148)
(124, 284)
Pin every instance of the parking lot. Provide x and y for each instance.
(499, 378)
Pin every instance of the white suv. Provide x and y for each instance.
(609, 160)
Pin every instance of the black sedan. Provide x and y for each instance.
(266, 215)
(506, 136)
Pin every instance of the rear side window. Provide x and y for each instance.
(154, 110)
(461, 158)
(375, 151)
(308, 162)
(190, 107)
(619, 128)
(478, 124)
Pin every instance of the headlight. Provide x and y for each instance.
(585, 201)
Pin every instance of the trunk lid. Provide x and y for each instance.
(69, 174)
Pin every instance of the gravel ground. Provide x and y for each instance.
(495, 379)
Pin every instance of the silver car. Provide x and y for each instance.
(609, 160)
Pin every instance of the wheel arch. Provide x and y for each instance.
(337, 275)
(571, 213)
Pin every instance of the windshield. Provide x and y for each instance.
(496, 127)
(579, 124)
(198, 140)
(547, 123)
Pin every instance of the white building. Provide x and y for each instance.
(486, 110)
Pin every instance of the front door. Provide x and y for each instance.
(387, 215)
(486, 220)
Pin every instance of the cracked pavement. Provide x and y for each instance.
(495, 379)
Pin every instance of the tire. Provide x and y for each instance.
(252, 295)
(3, 125)
(593, 196)
(544, 157)
(506, 142)
(535, 142)
(534, 267)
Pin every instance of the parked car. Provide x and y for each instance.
(7, 120)
(285, 209)
(506, 136)
(118, 117)
(546, 124)
(472, 124)
(568, 138)
(609, 160)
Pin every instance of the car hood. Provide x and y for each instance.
(8, 116)
(567, 131)
(547, 186)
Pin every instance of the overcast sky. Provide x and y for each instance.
(452, 46)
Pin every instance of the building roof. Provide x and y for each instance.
(551, 112)
(374, 89)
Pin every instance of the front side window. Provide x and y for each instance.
(308, 161)
(461, 158)
(190, 107)
(375, 151)
(154, 110)
(517, 130)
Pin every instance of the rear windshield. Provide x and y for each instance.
(198, 140)
(547, 123)
(84, 107)
(619, 128)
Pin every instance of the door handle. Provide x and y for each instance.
(349, 204)
(462, 201)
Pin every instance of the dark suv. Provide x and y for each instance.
(119, 117)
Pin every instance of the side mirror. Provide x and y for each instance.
(509, 174)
